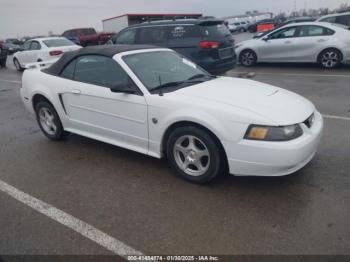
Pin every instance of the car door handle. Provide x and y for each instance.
(288, 42)
(321, 40)
(76, 91)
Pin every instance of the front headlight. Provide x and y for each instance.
(272, 133)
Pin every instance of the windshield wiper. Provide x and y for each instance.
(200, 76)
(191, 80)
(170, 84)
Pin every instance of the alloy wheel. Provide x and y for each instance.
(330, 59)
(191, 155)
(47, 121)
(248, 58)
(17, 65)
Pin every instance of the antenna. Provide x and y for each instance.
(160, 83)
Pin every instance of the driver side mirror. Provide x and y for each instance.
(123, 88)
(266, 38)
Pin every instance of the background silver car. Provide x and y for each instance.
(315, 42)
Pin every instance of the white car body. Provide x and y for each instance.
(226, 106)
(298, 49)
(41, 52)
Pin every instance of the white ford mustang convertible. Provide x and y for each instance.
(153, 101)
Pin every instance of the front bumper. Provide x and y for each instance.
(257, 158)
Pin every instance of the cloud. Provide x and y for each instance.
(38, 17)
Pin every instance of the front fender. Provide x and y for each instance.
(223, 130)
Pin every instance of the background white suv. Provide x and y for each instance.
(341, 18)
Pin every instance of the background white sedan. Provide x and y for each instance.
(311, 42)
(42, 49)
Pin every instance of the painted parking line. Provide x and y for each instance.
(114, 245)
(337, 117)
(291, 74)
(10, 81)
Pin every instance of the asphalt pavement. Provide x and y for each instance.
(137, 200)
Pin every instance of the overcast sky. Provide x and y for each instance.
(38, 17)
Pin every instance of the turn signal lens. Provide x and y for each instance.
(257, 133)
(273, 133)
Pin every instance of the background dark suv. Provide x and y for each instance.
(207, 42)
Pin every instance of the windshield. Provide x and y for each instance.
(58, 42)
(164, 69)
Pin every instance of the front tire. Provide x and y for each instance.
(194, 155)
(330, 58)
(18, 66)
(248, 58)
(49, 121)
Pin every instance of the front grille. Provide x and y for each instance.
(310, 121)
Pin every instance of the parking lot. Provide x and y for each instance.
(137, 201)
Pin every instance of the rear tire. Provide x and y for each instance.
(18, 66)
(330, 58)
(194, 155)
(49, 121)
(248, 58)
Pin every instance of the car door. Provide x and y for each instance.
(311, 40)
(22, 55)
(32, 53)
(94, 110)
(278, 46)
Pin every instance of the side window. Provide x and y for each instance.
(312, 30)
(329, 19)
(26, 45)
(68, 71)
(284, 33)
(153, 35)
(100, 70)
(343, 20)
(127, 37)
(35, 46)
(181, 32)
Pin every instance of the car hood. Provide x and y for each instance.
(279, 106)
(247, 42)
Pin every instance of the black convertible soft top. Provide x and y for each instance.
(104, 50)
